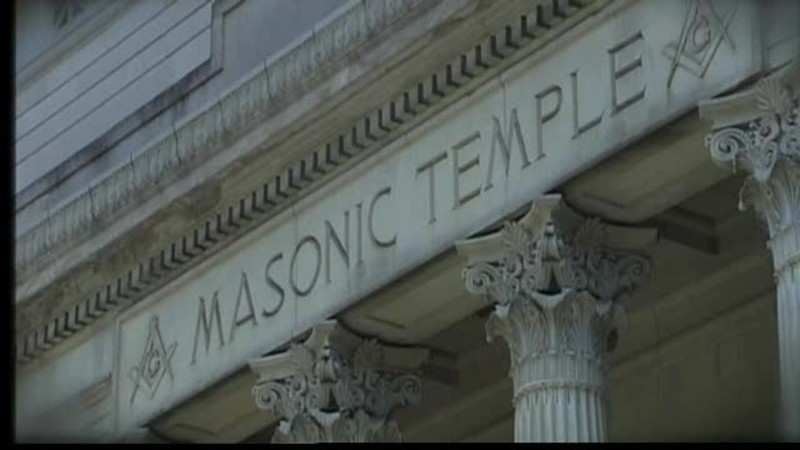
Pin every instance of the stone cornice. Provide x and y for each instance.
(49, 320)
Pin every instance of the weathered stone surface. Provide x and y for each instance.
(428, 171)
(288, 73)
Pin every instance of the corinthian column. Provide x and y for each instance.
(336, 387)
(555, 279)
(759, 131)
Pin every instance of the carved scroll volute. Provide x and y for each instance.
(500, 283)
(336, 387)
(759, 131)
(554, 276)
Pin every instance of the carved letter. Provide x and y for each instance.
(505, 143)
(274, 285)
(207, 323)
(429, 166)
(244, 287)
(344, 250)
(458, 200)
(543, 119)
(385, 191)
(293, 267)
(616, 74)
(359, 236)
(577, 129)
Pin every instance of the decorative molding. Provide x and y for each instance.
(555, 279)
(768, 148)
(335, 387)
(198, 138)
(552, 269)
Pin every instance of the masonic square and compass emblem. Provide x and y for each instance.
(154, 363)
(702, 32)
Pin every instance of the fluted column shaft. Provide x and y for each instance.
(767, 146)
(559, 397)
(786, 257)
(557, 367)
(559, 412)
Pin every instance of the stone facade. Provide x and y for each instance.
(226, 239)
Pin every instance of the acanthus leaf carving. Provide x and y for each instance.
(333, 394)
(774, 99)
(556, 286)
(768, 147)
(555, 266)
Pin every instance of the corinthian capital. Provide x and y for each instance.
(555, 278)
(759, 131)
(336, 387)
